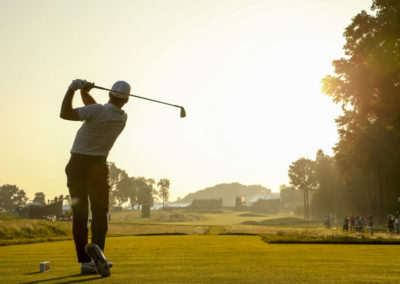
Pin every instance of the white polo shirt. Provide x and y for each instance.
(102, 126)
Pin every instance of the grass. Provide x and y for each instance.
(223, 217)
(305, 238)
(283, 222)
(181, 222)
(202, 247)
(157, 216)
(206, 259)
(16, 231)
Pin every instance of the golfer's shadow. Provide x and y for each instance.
(51, 280)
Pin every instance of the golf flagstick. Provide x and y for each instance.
(183, 112)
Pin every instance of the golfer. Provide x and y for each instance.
(87, 170)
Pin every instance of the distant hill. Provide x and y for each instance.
(228, 192)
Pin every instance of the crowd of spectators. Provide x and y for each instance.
(358, 224)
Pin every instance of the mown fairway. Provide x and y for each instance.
(206, 259)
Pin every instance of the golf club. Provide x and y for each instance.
(183, 112)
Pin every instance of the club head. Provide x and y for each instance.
(183, 112)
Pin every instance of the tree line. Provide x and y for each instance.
(13, 198)
(323, 190)
(137, 191)
(363, 175)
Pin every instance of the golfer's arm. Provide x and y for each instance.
(87, 99)
(67, 112)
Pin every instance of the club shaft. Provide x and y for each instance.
(136, 96)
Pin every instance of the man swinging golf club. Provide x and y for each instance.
(87, 170)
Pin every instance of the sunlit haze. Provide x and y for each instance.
(247, 72)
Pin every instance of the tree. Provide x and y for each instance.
(19, 199)
(121, 188)
(302, 174)
(126, 189)
(114, 176)
(132, 193)
(367, 84)
(145, 193)
(11, 197)
(163, 192)
(290, 198)
(40, 197)
(328, 198)
(67, 199)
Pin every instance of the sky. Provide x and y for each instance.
(247, 72)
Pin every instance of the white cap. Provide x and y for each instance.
(123, 87)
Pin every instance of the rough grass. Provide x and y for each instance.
(180, 216)
(129, 228)
(251, 215)
(156, 216)
(282, 222)
(206, 259)
(15, 231)
(306, 238)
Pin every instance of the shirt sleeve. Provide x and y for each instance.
(89, 112)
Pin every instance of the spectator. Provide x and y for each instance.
(396, 224)
(357, 224)
(362, 225)
(390, 224)
(327, 221)
(351, 223)
(346, 224)
(371, 225)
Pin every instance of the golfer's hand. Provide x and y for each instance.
(87, 86)
(80, 84)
